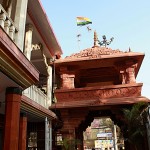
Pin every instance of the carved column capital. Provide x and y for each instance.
(37, 46)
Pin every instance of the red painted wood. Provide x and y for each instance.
(11, 135)
(22, 133)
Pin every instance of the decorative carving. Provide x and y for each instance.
(98, 94)
(95, 52)
(105, 42)
(76, 95)
(36, 46)
(120, 92)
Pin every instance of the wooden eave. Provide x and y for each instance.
(99, 96)
(29, 106)
(40, 20)
(103, 61)
(14, 64)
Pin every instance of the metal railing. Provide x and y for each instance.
(36, 95)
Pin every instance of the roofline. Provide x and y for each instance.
(80, 59)
(56, 50)
(48, 22)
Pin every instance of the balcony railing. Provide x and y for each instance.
(89, 96)
(102, 92)
(36, 95)
(7, 24)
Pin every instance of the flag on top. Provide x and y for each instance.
(81, 21)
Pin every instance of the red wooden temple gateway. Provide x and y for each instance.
(95, 82)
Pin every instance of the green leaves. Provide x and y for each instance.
(135, 122)
(70, 144)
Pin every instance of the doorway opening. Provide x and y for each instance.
(103, 134)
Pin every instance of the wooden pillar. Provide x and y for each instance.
(131, 74)
(67, 78)
(22, 132)
(131, 66)
(12, 115)
(127, 71)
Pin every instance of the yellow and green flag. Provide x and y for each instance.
(81, 21)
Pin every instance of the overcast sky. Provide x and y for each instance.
(128, 21)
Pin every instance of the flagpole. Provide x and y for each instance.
(78, 44)
(78, 38)
(81, 21)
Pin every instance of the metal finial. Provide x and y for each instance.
(104, 41)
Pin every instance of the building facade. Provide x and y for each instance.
(96, 82)
(27, 46)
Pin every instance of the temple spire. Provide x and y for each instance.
(129, 49)
(95, 39)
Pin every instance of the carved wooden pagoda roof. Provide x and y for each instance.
(95, 52)
(100, 56)
(101, 53)
(93, 76)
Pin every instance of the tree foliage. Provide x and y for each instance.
(69, 144)
(135, 122)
